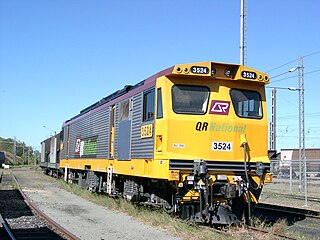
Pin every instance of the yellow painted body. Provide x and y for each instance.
(176, 137)
(157, 169)
(181, 129)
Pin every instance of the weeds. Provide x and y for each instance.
(157, 218)
(7, 182)
(174, 224)
(260, 224)
(280, 227)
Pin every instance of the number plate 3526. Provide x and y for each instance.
(221, 146)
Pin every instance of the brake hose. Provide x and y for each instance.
(248, 181)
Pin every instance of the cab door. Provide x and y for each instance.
(124, 131)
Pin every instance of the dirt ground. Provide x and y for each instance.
(82, 218)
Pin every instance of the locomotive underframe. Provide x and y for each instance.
(201, 196)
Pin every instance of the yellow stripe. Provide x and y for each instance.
(136, 167)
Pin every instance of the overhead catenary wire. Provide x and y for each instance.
(315, 114)
(296, 59)
(295, 76)
(311, 54)
(282, 65)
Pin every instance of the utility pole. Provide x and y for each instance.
(243, 31)
(14, 150)
(28, 155)
(23, 157)
(273, 124)
(302, 148)
(301, 125)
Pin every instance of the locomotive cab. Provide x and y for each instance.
(213, 131)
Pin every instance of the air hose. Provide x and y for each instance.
(244, 144)
(259, 185)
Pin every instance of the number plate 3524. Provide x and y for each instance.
(221, 146)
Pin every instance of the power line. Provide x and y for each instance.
(312, 72)
(295, 116)
(285, 64)
(307, 114)
(293, 137)
(311, 54)
(282, 65)
(291, 129)
(285, 126)
(282, 79)
(318, 70)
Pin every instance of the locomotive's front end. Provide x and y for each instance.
(212, 128)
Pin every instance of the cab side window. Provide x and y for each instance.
(148, 105)
(159, 104)
(124, 110)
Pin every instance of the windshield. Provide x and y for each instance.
(246, 103)
(189, 99)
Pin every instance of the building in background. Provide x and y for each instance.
(289, 158)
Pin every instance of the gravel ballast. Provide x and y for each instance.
(79, 216)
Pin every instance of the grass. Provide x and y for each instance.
(158, 218)
(279, 227)
(171, 223)
(258, 223)
(7, 181)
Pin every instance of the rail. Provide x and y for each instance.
(1, 174)
(289, 210)
(282, 236)
(299, 197)
(7, 229)
(58, 228)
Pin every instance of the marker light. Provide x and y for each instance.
(228, 72)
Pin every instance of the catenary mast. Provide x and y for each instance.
(243, 32)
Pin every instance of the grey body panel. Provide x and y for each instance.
(53, 150)
(124, 137)
(43, 152)
(128, 143)
(93, 127)
(140, 147)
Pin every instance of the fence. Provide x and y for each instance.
(292, 177)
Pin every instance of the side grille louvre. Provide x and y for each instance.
(237, 167)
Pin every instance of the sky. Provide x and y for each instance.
(58, 57)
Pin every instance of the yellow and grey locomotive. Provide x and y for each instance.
(190, 139)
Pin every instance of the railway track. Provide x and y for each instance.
(1, 174)
(299, 197)
(272, 213)
(296, 213)
(22, 220)
(268, 233)
(302, 221)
